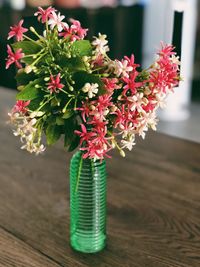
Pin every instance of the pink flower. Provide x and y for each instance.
(57, 20)
(165, 72)
(101, 107)
(85, 110)
(76, 26)
(98, 61)
(131, 61)
(55, 84)
(111, 84)
(17, 30)
(14, 57)
(84, 134)
(166, 51)
(44, 14)
(131, 84)
(20, 106)
(75, 32)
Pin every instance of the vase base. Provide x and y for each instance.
(87, 244)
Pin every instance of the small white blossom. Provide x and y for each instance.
(57, 20)
(175, 60)
(137, 101)
(101, 44)
(36, 114)
(128, 142)
(91, 89)
(121, 68)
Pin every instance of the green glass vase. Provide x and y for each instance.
(87, 204)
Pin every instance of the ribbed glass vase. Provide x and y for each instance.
(87, 204)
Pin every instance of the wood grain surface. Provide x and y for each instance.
(153, 205)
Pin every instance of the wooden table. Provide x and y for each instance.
(153, 205)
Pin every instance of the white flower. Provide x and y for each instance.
(91, 89)
(36, 114)
(101, 44)
(128, 142)
(137, 101)
(145, 121)
(39, 149)
(121, 68)
(175, 60)
(56, 20)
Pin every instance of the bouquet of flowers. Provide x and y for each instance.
(68, 86)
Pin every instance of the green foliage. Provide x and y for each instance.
(72, 64)
(35, 103)
(83, 77)
(30, 91)
(60, 121)
(68, 113)
(27, 47)
(82, 48)
(144, 75)
(53, 133)
(71, 140)
(23, 78)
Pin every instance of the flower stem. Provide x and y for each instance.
(30, 39)
(79, 173)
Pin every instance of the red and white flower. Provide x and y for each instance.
(75, 32)
(56, 20)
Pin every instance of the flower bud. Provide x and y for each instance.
(122, 153)
(85, 58)
(28, 69)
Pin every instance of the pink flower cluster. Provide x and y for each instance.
(75, 32)
(128, 107)
(95, 141)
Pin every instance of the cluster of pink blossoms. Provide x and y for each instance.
(110, 102)
(128, 108)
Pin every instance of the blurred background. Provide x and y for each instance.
(132, 26)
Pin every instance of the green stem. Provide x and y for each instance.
(30, 39)
(79, 172)
(65, 107)
(64, 91)
(45, 103)
(38, 59)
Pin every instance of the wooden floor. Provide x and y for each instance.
(153, 205)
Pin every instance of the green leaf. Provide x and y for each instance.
(71, 64)
(69, 127)
(53, 133)
(71, 139)
(60, 121)
(27, 47)
(82, 77)
(82, 47)
(30, 91)
(24, 78)
(75, 143)
(35, 103)
(68, 113)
